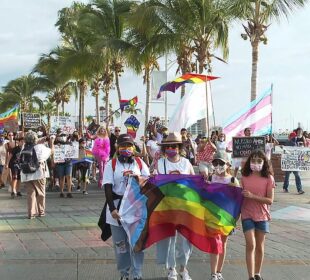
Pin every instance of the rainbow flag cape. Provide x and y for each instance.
(186, 78)
(126, 103)
(201, 212)
(10, 115)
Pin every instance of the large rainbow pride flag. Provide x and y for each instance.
(10, 115)
(201, 212)
(186, 78)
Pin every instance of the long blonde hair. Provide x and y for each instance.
(100, 134)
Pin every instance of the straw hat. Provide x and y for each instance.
(172, 138)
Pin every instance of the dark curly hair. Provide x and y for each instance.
(267, 168)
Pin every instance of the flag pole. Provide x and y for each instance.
(211, 98)
(271, 107)
(207, 108)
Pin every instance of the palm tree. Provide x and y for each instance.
(48, 110)
(22, 90)
(106, 20)
(132, 109)
(259, 14)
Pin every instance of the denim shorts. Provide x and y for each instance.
(1, 168)
(249, 224)
(64, 169)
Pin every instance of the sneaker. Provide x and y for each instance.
(19, 194)
(219, 276)
(185, 276)
(42, 215)
(258, 277)
(31, 217)
(78, 188)
(285, 190)
(252, 278)
(13, 194)
(137, 278)
(62, 195)
(172, 274)
(69, 195)
(124, 278)
(85, 192)
(301, 192)
(213, 277)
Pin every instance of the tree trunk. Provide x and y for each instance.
(57, 109)
(80, 108)
(63, 107)
(107, 107)
(254, 69)
(117, 86)
(97, 106)
(148, 93)
(83, 104)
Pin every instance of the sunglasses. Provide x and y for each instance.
(10, 134)
(217, 162)
(171, 146)
(117, 131)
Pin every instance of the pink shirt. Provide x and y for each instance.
(259, 186)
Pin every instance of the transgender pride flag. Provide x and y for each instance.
(257, 115)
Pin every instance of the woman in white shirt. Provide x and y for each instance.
(174, 250)
(115, 180)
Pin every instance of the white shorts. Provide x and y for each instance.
(205, 167)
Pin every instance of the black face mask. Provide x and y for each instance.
(125, 159)
(165, 135)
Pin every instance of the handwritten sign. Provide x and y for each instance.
(67, 124)
(243, 146)
(31, 120)
(10, 125)
(295, 159)
(68, 151)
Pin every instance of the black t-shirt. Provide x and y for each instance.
(113, 141)
(15, 156)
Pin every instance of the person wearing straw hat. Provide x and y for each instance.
(174, 250)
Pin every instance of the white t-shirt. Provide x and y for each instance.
(268, 149)
(119, 181)
(183, 166)
(153, 147)
(221, 145)
(224, 180)
(159, 137)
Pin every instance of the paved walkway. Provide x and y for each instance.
(66, 243)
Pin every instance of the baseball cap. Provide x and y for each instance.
(125, 138)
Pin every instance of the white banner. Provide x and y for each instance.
(295, 159)
(63, 152)
(67, 124)
(158, 79)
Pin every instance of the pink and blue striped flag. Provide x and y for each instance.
(257, 115)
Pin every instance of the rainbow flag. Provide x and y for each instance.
(89, 155)
(201, 212)
(10, 115)
(186, 78)
(126, 103)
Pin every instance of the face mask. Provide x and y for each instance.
(221, 139)
(40, 133)
(220, 169)
(171, 152)
(126, 152)
(63, 138)
(256, 166)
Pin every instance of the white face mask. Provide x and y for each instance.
(40, 133)
(220, 169)
(63, 138)
(256, 166)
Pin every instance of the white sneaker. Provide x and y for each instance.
(172, 274)
(220, 276)
(184, 275)
(213, 277)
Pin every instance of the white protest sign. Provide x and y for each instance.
(295, 159)
(67, 124)
(68, 151)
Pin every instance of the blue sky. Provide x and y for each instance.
(27, 30)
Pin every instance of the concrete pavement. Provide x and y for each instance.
(66, 244)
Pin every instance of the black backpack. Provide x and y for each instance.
(28, 160)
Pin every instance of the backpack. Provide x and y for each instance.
(28, 160)
(137, 159)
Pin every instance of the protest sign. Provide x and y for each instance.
(68, 151)
(295, 159)
(67, 124)
(243, 146)
(31, 120)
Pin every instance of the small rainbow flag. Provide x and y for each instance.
(10, 115)
(186, 78)
(201, 212)
(126, 103)
(89, 155)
